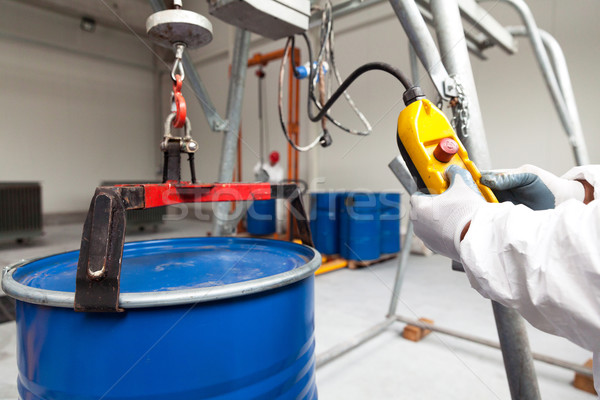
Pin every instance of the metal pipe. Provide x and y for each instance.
(518, 361)
(414, 65)
(455, 56)
(416, 29)
(401, 270)
(490, 343)
(345, 347)
(214, 119)
(222, 224)
(533, 32)
(516, 353)
(561, 72)
(351, 6)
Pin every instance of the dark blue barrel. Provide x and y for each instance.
(261, 217)
(205, 318)
(324, 222)
(390, 223)
(359, 226)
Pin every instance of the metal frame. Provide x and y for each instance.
(491, 32)
(221, 224)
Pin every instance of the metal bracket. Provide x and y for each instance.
(449, 85)
(219, 125)
(99, 266)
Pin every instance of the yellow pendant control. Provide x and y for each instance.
(429, 145)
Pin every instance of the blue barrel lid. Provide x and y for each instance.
(176, 266)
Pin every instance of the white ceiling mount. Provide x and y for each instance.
(170, 27)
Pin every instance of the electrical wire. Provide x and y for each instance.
(326, 51)
(317, 140)
(380, 66)
(327, 46)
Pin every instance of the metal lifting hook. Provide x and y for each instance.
(181, 108)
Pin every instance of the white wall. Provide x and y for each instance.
(67, 119)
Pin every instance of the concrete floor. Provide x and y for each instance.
(348, 302)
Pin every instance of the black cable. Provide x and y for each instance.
(352, 77)
(342, 88)
(325, 139)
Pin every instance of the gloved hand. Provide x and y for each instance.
(439, 220)
(532, 186)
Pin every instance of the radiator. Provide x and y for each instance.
(141, 219)
(20, 210)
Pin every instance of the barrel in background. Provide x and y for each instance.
(390, 222)
(261, 217)
(360, 226)
(324, 222)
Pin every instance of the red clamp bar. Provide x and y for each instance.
(164, 194)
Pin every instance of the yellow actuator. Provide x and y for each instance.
(429, 145)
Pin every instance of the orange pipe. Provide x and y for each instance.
(264, 59)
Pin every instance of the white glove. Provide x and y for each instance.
(517, 184)
(440, 219)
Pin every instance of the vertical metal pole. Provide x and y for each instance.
(455, 56)
(401, 271)
(518, 361)
(158, 114)
(414, 65)
(222, 225)
(415, 27)
(561, 71)
(516, 353)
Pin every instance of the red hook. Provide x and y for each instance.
(181, 113)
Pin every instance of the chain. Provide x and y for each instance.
(460, 109)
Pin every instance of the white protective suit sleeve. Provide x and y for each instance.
(545, 264)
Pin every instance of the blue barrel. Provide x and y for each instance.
(390, 223)
(324, 222)
(205, 318)
(359, 226)
(261, 218)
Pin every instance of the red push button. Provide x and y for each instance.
(445, 149)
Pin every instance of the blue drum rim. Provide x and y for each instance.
(55, 298)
